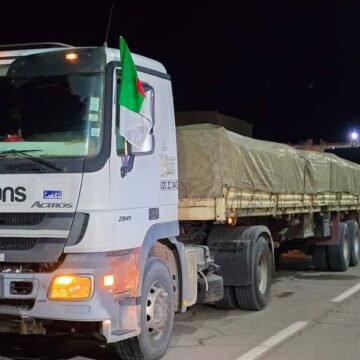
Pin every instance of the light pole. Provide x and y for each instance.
(354, 137)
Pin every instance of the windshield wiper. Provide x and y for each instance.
(25, 154)
(18, 151)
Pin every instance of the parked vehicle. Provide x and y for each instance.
(104, 237)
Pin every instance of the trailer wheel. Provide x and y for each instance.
(229, 301)
(354, 236)
(320, 257)
(256, 295)
(339, 255)
(157, 315)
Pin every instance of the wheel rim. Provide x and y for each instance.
(262, 274)
(356, 245)
(157, 306)
(346, 247)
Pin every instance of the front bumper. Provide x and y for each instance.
(116, 310)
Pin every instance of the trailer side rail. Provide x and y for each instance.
(244, 203)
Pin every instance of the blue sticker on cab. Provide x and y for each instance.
(52, 194)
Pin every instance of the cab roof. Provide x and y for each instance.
(8, 53)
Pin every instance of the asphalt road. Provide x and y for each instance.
(312, 315)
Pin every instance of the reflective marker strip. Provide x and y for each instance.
(347, 293)
(282, 335)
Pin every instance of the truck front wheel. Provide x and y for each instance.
(256, 295)
(157, 315)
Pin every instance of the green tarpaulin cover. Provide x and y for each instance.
(210, 157)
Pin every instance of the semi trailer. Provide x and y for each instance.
(106, 238)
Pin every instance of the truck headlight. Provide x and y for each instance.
(71, 287)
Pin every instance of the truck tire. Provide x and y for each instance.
(215, 290)
(229, 301)
(339, 255)
(256, 295)
(157, 302)
(320, 257)
(354, 237)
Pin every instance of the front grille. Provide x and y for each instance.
(16, 219)
(14, 243)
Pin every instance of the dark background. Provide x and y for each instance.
(292, 68)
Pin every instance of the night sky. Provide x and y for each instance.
(292, 68)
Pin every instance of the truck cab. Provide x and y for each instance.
(79, 211)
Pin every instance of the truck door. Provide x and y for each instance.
(135, 193)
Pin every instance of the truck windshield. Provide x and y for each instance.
(61, 114)
(53, 105)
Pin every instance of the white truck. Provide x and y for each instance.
(102, 238)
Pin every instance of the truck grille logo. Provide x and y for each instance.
(10, 194)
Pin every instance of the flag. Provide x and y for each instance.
(135, 117)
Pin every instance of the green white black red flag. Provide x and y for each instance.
(135, 119)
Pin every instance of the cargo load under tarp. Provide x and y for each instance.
(212, 158)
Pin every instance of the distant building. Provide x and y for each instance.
(322, 146)
(214, 117)
(348, 151)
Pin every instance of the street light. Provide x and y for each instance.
(354, 137)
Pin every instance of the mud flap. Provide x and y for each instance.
(234, 258)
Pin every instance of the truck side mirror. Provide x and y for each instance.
(146, 148)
